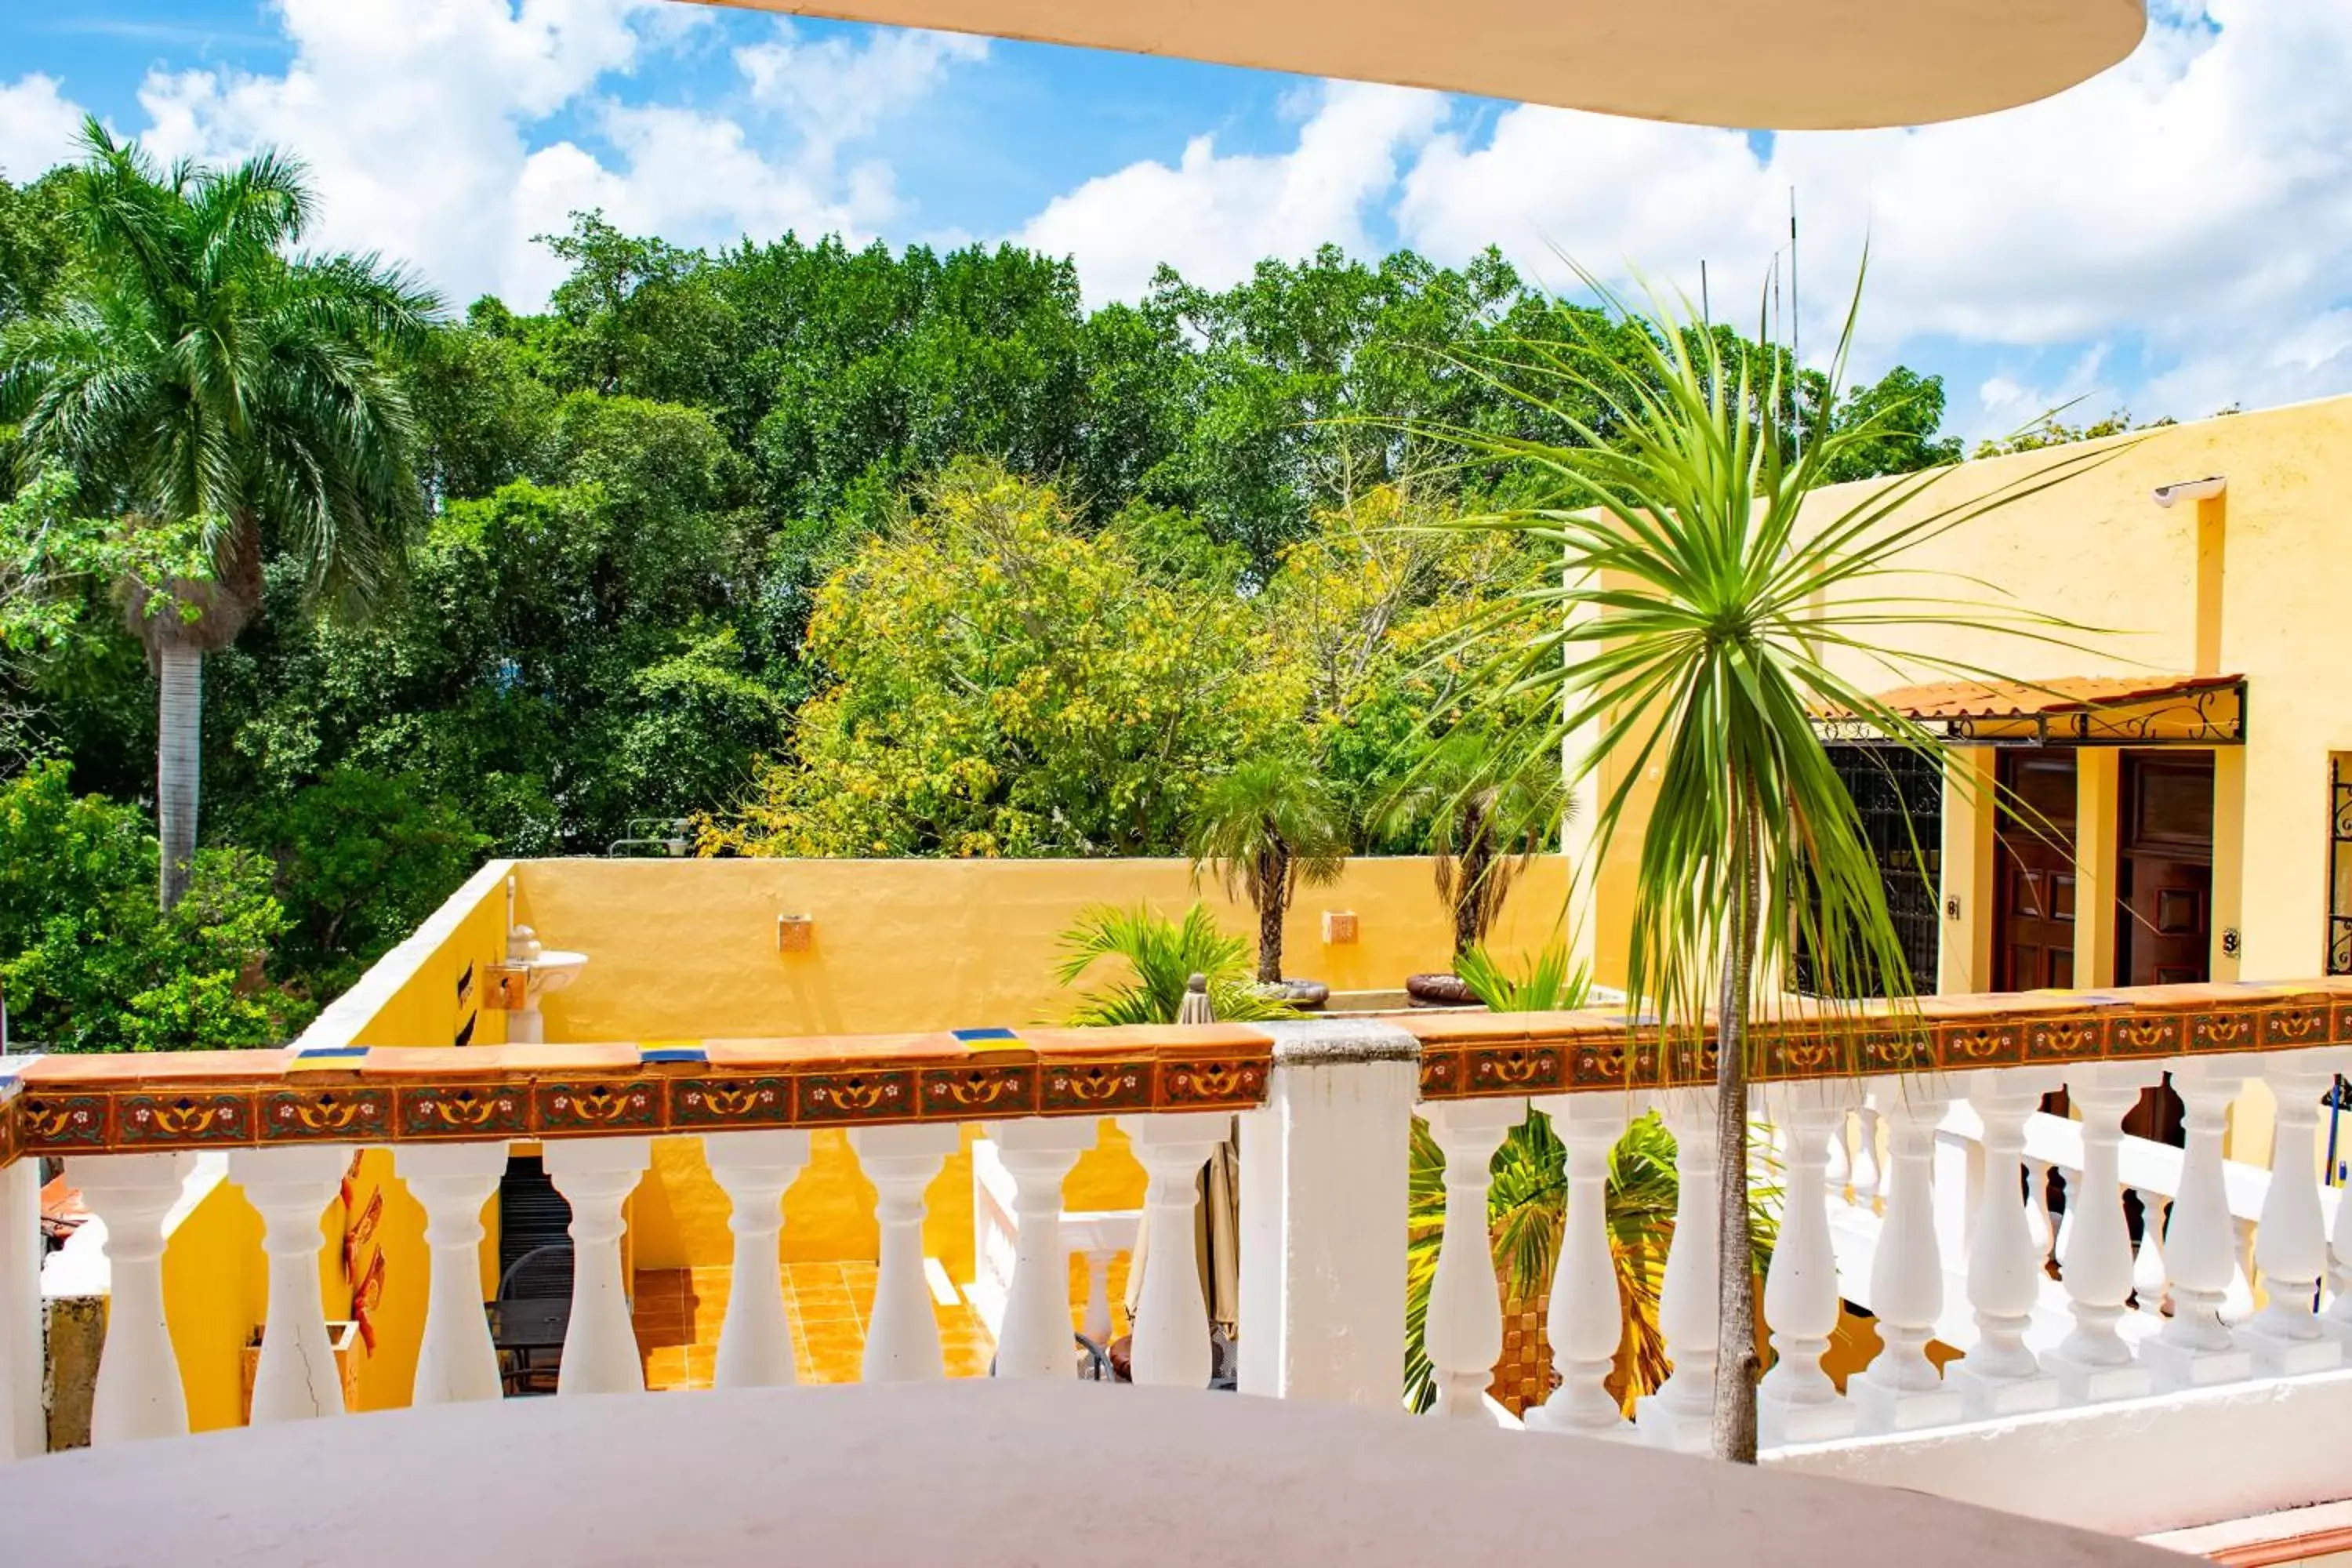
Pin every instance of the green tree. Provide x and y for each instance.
(1484, 808)
(1265, 829)
(197, 376)
(997, 683)
(1162, 956)
(1691, 634)
(87, 962)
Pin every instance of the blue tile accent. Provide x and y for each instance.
(328, 1053)
(672, 1054)
(970, 1035)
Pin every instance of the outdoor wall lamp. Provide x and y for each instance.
(795, 933)
(2206, 488)
(1338, 928)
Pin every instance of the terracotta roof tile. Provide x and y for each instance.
(2056, 694)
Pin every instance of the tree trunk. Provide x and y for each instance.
(179, 735)
(1273, 900)
(1476, 860)
(1737, 1365)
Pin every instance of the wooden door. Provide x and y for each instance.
(2164, 879)
(2033, 871)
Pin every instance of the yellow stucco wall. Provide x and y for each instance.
(215, 1284)
(686, 949)
(2097, 550)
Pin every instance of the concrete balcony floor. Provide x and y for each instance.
(986, 1475)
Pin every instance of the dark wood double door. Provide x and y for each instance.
(2164, 882)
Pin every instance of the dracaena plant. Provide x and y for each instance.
(1706, 619)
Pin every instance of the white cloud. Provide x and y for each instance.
(1214, 215)
(425, 124)
(38, 127)
(2200, 194)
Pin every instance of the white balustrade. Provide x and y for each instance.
(2037, 1208)
(138, 1392)
(22, 1423)
(1170, 1341)
(902, 1333)
(2094, 1362)
(2290, 1249)
(1868, 1177)
(455, 1360)
(2194, 1348)
(1463, 1331)
(753, 1169)
(1681, 1414)
(1999, 1377)
(1038, 1154)
(1901, 1389)
(596, 1176)
(1586, 1322)
(2336, 1321)
(290, 1188)
(1797, 1402)
(2149, 1272)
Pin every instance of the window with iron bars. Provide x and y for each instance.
(1899, 795)
(2339, 867)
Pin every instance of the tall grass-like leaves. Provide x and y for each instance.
(1691, 641)
(1161, 956)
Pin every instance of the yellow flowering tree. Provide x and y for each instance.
(994, 682)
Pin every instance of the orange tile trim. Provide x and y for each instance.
(134, 1104)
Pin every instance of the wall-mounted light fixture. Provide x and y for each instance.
(2206, 488)
(795, 933)
(1338, 928)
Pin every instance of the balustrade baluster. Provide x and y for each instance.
(456, 1362)
(2149, 1268)
(24, 1429)
(2037, 1209)
(1170, 1339)
(290, 1188)
(2336, 1322)
(1837, 1175)
(2000, 1376)
(2290, 1242)
(1869, 1180)
(1586, 1320)
(1902, 1389)
(755, 1338)
(1680, 1416)
(1463, 1329)
(2094, 1363)
(596, 1176)
(1797, 1402)
(2194, 1347)
(902, 1333)
(1038, 1156)
(138, 1392)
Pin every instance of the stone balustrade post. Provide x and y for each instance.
(2094, 1362)
(1462, 1331)
(22, 1423)
(1325, 1213)
(1170, 1340)
(902, 1334)
(1586, 1322)
(1038, 1154)
(1797, 1402)
(2291, 1239)
(755, 1338)
(2000, 1376)
(1680, 1414)
(456, 1362)
(138, 1392)
(290, 1188)
(596, 1176)
(2194, 1348)
(1901, 1389)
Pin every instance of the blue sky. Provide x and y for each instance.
(2174, 234)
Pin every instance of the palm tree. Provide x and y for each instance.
(1267, 827)
(1690, 639)
(202, 375)
(1485, 812)
(1162, 956)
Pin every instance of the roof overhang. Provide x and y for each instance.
(2063, 710)
(1793, 65)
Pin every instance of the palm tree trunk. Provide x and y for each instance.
(179, 735)
(1273, 900)
(1470, 903)
(1737, 1363)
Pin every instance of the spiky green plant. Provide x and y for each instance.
(1548, 983)
(1693, 640)
(1161, 955)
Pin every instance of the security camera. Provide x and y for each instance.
(2192, 490)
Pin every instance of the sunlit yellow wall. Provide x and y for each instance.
(2097, 550)
(215, 1284)
(411, 997)
(687, 948)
